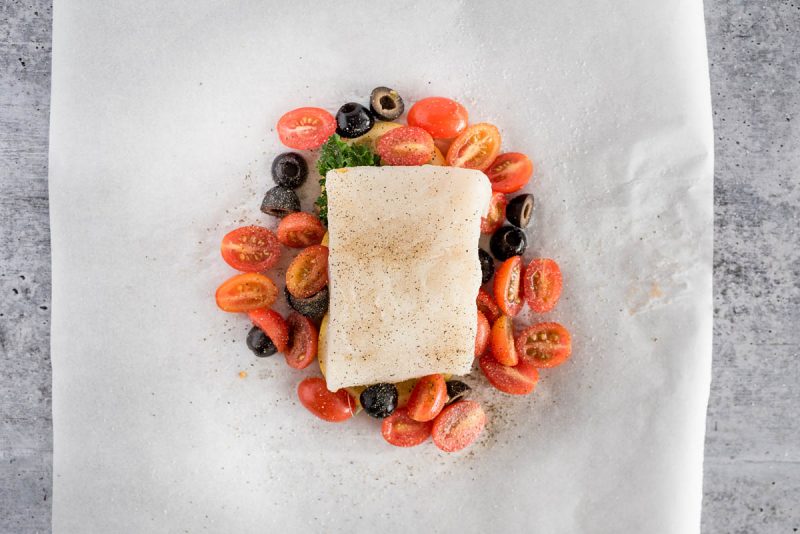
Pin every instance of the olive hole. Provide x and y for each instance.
(348, 108)
(526, 211)
(289, 170)
(387, 102)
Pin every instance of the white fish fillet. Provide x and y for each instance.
(403, 272)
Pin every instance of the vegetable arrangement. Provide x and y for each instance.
(431, 406)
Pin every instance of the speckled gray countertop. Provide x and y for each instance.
(752, 465)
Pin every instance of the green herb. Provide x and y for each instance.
(337, 154)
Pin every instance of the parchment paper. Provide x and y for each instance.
(161, 138)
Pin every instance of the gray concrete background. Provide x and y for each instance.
(752, 467)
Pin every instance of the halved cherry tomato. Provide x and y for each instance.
(458, 425)
(510, 172)
(306, 128)
(496, 215)
(441, 117)
(402, 431)
(517, 380)
(271, 323)
(407, 145)
(245, 292)
(507, 286)
(542, 284)
(300, 229)
(327, 405)
(303, 339)
(308, 272)
(544, 345)
(502, 341)
(427, 398)
(476, 147)
(250, 249)
(487, 306)
(482, 338)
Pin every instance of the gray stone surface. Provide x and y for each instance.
(753, 445)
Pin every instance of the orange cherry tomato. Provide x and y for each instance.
(427, 398)
(482, 338)
(308, 272)
(300, 230)
(517, 380)
(510, 172)
(458, 425)
(542, 285)
(327, 405)
(502, 341)
(245, 292)
(487, 306)
(271, 323)
(407, 145)
(250, 249)
(475, 148)
(402, 431)
(496, 215)
(306, 128)
(507, 286)
(544, 345)
(441, 117)
(303, 338)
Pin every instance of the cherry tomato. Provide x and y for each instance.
(441, 117)
(250, 249)
(327, 405)
(496, 215)
(487, 306)
(517, 380)
(245, 292)
(510, 172)
(476, 147)
(308, 272)
(482, 337)
(542, 285)
(303, 339)
(402, 431)
(300, 230)
(507, 286)
(306, 128)
(271, 323)
(407, 145)
(544, 345)
(502, 341)
(427, 398)
(458, 425)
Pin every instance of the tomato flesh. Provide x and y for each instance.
(300, 230)
(487, 306)
(510, 172)
(517, 380)
(330, 406)
(402, 431)
(245, 292)
(271, 323)
(542, 285)
(475, 148)
(544, 345)
(482, 337)
(250, 249)
(303, 340)
(458, 425)
(441, 117)
(306, 128)
(407, 145)
(507, 286)
(502, 341)
(308, 272)
(427, 398)
(496, 214)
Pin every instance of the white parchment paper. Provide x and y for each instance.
(161, 137)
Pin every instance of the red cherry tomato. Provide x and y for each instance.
(245, 292)
(496, 215)
(441, 117)
(306, 128)
(271, 323)
(300, 230)
(303, 339)
(542, 285)
(402, 431)
(510, 172)
(482, 338)
(427, 398)
(517, 380)
(507, 286)
(475, 148)
(250, 249)
(308, 272)
(327, 405)
(487, 306)
(502, 341)
(458, 425)
(544, 345)
(406, 145)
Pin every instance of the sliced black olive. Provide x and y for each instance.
(260, 343)
(314, 307)
(508, 241)
(456, 390)
(353, 120)
(519, 210)
(289, 170)
(379, 400)
(386, 104)
(280, 202)
(487, 265)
